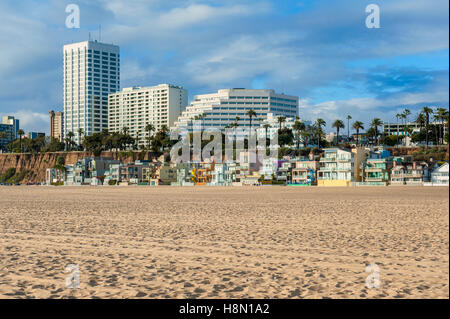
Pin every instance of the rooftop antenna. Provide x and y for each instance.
(100, 33)
(89, 37)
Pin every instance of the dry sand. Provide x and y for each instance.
(267, 242)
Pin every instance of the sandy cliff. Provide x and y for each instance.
(38, 163)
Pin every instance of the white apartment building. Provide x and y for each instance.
(91, 73)
(136, 107)
(219, 110)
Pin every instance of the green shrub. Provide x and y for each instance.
(10, 172)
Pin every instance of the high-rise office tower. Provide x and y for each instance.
(91, 72)
(57, 125)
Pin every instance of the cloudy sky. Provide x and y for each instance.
(318, 50)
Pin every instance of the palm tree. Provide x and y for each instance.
(80, 132)
(435, 120)
(398, 115)
(421, 120)
(266, 127)
(307, 133)
(406, 113)
(251, 113)
(319, 123)
(236, 124)
(338, 124)
(20, 132)
(281, 120)
(427, 111)
(358, 126)
(298, 127)
(70, 136)
(375, 123)
(442, 114)
(349, 117)
(149, 128)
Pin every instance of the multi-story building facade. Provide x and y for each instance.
(336, 168)
(304, 172)
(408, 172)
(376, 171)
(401, 129)
(439, 176)
(57, 125)
(230, 106)
(91, 73)
(88, 171)
(136, 107)
(133, 173)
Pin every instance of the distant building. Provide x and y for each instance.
(9, 128)
(401, 128)
(57, 125)
(33, 135)
(136, 107)
(91, 73)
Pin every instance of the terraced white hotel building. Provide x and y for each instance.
(219, 110)
(135, 107)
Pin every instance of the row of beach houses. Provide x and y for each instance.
(334, 167)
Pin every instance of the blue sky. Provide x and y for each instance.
(318, 50)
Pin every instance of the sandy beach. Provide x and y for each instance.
(263, 242)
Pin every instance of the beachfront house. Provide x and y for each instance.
(54, 176)
(269, 168)
(133, 173)
(88, 171)
(439, 176)
(219, 175)
(405, 171)
(304, 173)
(283, 173)
(336, 168)
(375, 171)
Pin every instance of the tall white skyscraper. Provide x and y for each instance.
(91, 72)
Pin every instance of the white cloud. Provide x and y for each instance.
(33, 121)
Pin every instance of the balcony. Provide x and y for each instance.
(328, 159)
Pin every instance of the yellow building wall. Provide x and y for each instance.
(336, 183)
(359, 156)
